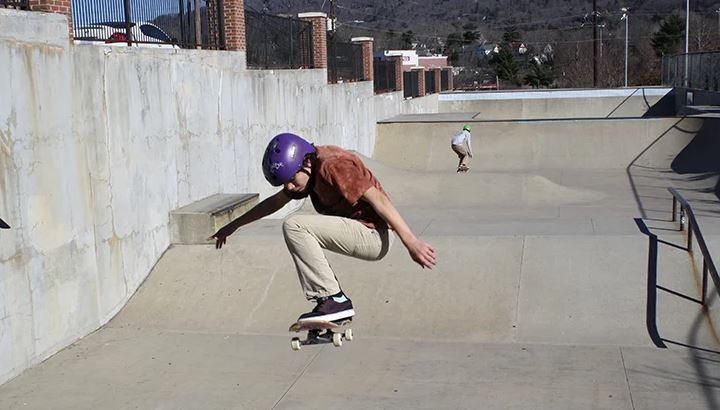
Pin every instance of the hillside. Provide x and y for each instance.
(565, 25)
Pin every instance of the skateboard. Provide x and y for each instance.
(3, 225)
(463, 168)
(316, 335)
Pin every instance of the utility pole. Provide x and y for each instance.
(626, 17)
(687, 40)
(595, 44)
(332, 57)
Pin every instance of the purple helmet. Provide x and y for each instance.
(284, 157)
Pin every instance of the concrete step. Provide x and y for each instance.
(194, 223)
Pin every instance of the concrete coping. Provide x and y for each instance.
(216, 204)
(361, 39)
(194, 223)
(312, 15)
(417, 68)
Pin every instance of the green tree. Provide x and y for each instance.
(390, 39)
(668, 39)
(506, 67)
(453, 47)
(540, 75)
(470, 35)
(407, 39)
(512, 35)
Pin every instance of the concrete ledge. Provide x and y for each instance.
(194, 223)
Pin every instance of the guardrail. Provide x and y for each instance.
(687, 215)
(687, 218)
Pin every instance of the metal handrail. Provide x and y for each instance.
(687, 215)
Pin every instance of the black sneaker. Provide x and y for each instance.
(330, 308)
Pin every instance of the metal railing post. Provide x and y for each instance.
(704, 280)
(128, 23)
(674, 211)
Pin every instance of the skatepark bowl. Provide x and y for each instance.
(542, 298)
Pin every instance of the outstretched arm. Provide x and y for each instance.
(268, 206)
(420, 252)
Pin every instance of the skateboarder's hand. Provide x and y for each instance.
(220, 237)
(422, 253)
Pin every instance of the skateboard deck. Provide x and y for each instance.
(3, 225)
(320, 331)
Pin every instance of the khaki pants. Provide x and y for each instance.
(461, 152)
(307, 235)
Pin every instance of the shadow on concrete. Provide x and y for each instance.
(624, 101)
(655, 172)
(701, 158)
(663, 108)
(694, 169)
(702, 358)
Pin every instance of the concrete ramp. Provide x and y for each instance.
(537, 104)
(541, 298)
(423, 143)
(556, 289)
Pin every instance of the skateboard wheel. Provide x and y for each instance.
(295, 343)
(337, 339)
(349, 335)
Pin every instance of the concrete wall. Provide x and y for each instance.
(539, 104)
(391, 104)
(554, 144)
(98, 144)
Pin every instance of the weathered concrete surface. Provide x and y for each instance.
(539, 301)
(539, 104)
(98, 144)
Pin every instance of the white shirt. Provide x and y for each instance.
(461, 137)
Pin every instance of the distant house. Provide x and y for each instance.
(436, 61)
(518, 47)
(486, 50)
(410, 59)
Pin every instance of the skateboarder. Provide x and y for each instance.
(462, 145)
(355, 217)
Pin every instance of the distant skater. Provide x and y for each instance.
(462, 145)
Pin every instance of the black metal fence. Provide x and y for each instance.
(411, 84)
(14, 4)
(384, 79)
(444, 80)
(164, 23)
(277, 42)
(430, 82)
(703, 71)
(345, 61)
